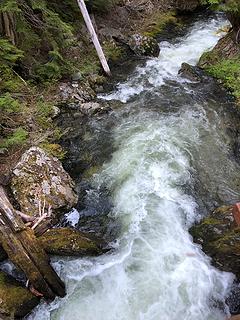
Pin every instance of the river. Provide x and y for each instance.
(171, 161)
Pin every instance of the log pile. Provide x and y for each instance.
(23, 249)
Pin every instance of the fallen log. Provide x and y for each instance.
(23, 249)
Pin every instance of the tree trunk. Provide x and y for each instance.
(8, 26)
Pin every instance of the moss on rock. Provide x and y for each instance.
(69, 242)
(219, 237)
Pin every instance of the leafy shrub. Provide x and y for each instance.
(8, 104)
(18, 137)
(228, 71)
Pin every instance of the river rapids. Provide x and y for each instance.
(171, 151)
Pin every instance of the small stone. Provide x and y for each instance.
(77, 76)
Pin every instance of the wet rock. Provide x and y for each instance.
(219, 236)
(192, 73)
(40, 182)
(187, 5)
(140, 45)
(226, 48)
(233, 299)
(77, 76)
(76, 92)
(70, 242)
(143, 45)
(16, 301)
(237, 317)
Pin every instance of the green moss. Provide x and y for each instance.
(67, 241)
(53, 149)
(8, 104)
(228, 71)
(211, 221)
(159, 21)
(112, 51)
(90, 172)
(18, 137)
(16, 300)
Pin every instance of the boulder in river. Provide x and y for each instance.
(140, 45)
(219, 236)
(190, 72)
(40, 184)
(69, 242)
(143, 45)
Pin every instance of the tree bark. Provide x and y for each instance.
(94, 36)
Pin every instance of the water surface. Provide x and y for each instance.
(170, 160)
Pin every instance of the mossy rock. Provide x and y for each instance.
(219, 237)
(159, 22)
(70, 242)
(143, 45)
(226, 48)
(16, 301)
(39, 181)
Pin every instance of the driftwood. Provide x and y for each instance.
(23, 249)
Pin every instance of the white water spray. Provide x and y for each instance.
(155, 272)
(158, 70)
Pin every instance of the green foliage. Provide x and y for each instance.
(9, 6)
(44, 111)
(229, 5)
(160, 21)
(112, 50)
(53, 149)
(9, 56)
(54, 69)
(228, 71)
(18, 137)
(8, 104)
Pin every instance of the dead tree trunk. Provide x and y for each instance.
(94, 36)
(23, 249)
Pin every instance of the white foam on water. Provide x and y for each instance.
(201, 38)
(155, 271)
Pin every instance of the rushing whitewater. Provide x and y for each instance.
(154, 272)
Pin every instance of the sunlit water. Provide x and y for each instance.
(155, 272)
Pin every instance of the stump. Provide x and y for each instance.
(23, 249)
